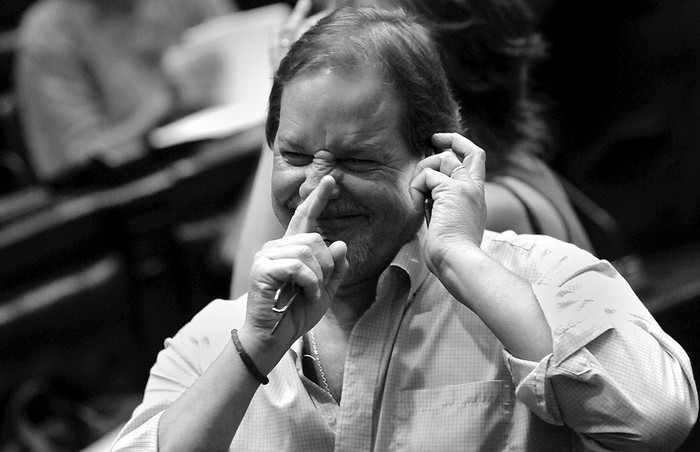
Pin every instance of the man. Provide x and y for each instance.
(488, 50)
(400, 337)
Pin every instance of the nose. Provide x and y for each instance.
(323, 163)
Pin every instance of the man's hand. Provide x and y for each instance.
(501, 299)
(301, 257)
(455, 181)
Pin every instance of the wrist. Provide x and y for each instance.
(247, 360)
(458, 256)
(264, 349)
(462, 270)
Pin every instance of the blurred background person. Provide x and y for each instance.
(626, 111)
(94, 76)
(489, 49)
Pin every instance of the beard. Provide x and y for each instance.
(372, 249)
(372, 240)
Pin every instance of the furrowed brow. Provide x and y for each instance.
(289, 143)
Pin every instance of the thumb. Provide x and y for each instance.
(339, 251)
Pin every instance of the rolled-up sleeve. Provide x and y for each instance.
(175, 370)
(615, 377)
(181, 362)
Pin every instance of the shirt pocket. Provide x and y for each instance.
(471, 416)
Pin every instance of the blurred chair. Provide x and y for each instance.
(15, 169)
(68, 346)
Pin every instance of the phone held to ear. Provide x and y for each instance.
(428, 209)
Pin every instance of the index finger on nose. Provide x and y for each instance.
(305, 218)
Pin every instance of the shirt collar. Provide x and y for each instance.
(411, 260)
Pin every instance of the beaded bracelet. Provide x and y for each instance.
(249, 364)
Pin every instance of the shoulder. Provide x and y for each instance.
(512, 239)
(211, 326)
(225, 313)
(47, 13)
(529, 206)
(546, 197)
(505, 210)
(47, 23)
(538, 257)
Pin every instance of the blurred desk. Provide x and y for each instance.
(134, 224)
(206, 179)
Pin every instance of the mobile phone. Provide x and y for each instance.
(428, 209)
(428, 202)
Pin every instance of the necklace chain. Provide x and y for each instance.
(318, 360)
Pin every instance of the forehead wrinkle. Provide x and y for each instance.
(360, 141)
(372, 131)
(347, 124)
(290, 132)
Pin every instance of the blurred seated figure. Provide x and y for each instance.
(629, 130)
(488, 49)
(94, 76)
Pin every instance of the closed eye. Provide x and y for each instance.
(355, 164)
(296, 158)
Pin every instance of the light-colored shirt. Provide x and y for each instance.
(423, 372)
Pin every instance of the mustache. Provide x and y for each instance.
(335, 208)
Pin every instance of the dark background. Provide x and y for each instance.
(92, 280)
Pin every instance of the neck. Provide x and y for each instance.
(351, 301)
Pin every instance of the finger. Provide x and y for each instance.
(339, 251)
(444, 162)
(475, 163)
(299, 13)
(421, 186)
(451, 165)
(472, 156)
(418, 187)
(313, 256)
(312, 239)
(305, 218)
(455, 142)
(293, 270)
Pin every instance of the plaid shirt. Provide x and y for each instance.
(424, 373)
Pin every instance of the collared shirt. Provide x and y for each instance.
(422, 371)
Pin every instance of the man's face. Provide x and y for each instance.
(347, 125)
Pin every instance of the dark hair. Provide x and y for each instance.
(393, 44)
(488, 48)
